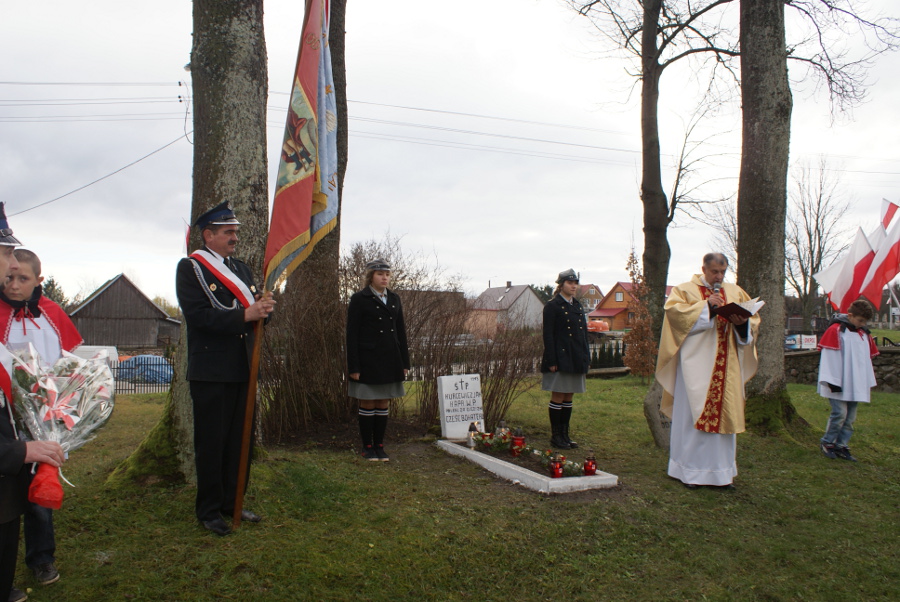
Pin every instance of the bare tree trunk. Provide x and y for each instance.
(229, 73)
(762, 199)
(656, 253)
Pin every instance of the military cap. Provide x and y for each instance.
(219, 215)
(6, 234)
(567, 275)
(378, 265)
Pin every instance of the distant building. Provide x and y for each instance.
(503, 307)
(613, 309)
(590, 296)
(120, 315)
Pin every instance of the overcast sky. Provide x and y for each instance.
(492, 134)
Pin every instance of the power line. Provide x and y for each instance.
(92, 84)
(100, 178)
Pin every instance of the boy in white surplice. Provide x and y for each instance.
(846, 376)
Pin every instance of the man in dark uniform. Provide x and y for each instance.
(220, 303)
(15, 453)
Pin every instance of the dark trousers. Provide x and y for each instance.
(40, 541)
(9, 548)
(219, 410)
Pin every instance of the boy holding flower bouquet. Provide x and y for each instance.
(26, 316)
(15, 454)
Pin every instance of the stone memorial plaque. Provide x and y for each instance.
(459, 398)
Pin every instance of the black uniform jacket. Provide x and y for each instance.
(565, 337)
(376, 338)
(219, 340)
(14, 477)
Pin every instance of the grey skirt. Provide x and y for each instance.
(562, 382)
(360, 390)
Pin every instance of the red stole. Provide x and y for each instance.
(715, 394)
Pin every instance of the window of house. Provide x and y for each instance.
(630, 317)
(620, 296)
(592, 291)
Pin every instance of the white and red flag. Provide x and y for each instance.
(888, 209)
(884, 266)
(843, 279)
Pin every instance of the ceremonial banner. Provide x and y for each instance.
(306, 195)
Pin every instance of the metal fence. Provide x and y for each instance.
(142, 374)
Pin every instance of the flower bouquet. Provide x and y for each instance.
(66, 403)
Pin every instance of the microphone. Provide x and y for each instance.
(716, 288)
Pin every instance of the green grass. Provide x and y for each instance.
(430, 527)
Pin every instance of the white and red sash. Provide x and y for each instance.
(6, 373)
(225, 276)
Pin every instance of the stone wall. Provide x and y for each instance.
(803, 367)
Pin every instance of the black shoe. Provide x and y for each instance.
(380, 454)
(829, 450)
(250, 517)
(17, 595)
(572, 444)
(45, 574)
(368, 453)
(557, 441)
(691, 485)
(217, 526)
(728, 487)
(844, 453)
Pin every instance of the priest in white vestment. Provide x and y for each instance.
(704, 361)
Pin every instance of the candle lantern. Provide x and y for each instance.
(590, 464)
(518, 442)
(502, 430)
(470, 440)
(556, 466)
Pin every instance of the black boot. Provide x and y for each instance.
(565, 416)
(366, 418)
(557, 440)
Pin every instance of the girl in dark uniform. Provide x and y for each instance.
(566, 355)
(377, 355)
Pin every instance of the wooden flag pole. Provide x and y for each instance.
(259, 330)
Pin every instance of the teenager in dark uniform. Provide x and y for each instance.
(220, 303)
(377, 355)
(566, 355)
(15, 453)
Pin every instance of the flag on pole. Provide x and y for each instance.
(844, 278)
(884, 266)
(306, 194)
(888, 209)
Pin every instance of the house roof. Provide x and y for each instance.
(500, 298)
(627, 287)
(606, 312)
(584, 288)
(108, 284)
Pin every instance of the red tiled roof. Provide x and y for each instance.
(606, 312)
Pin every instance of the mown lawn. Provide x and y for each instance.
(430, 527)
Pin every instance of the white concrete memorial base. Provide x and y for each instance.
(529, 478)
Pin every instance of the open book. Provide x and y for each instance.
(744, 309)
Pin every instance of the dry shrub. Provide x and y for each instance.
(303, 370)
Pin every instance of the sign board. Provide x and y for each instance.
(808, 341)
(459, 398)
(792, 342)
